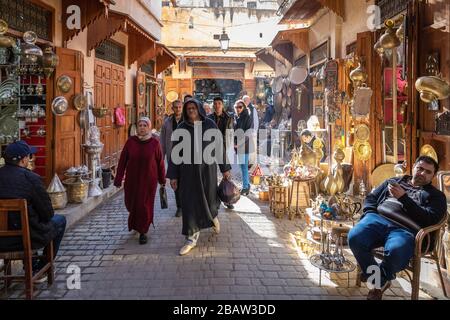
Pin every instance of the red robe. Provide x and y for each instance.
(144, 166)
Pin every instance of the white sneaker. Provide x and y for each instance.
(187, 248)
(216, 227)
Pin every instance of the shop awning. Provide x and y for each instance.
(298, 37)
(266, 57)
(142, 45)
(164, 59)
(90, 11)
(303, 11)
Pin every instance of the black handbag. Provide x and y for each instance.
(163, 197)
(392, 209)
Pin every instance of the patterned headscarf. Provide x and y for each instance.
(149, 123)
(145, 119)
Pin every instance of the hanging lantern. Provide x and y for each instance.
(379, 49)
(50, 61)
(389, 39)
(432, 88)
(29, 49)
(358, 76)
(5, 41)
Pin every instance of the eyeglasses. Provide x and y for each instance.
(239, 107)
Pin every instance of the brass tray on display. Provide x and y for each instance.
(428, 150)
(363, 150)
(362, 132)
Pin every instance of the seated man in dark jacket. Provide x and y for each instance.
(419, 202)
(17, 182)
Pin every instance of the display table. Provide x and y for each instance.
(329, 248)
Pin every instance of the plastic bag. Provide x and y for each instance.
(228, 192)
(163, 197)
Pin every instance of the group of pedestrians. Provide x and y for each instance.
(142, 165)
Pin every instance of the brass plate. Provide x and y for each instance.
(80, 102)
(363, 150)
(172, 96)
(429, 151)
(362, 132)
(382, 173)
(64, 83)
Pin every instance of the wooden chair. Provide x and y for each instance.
(19, 206)
(413, 269)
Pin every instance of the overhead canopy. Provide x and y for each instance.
(298, 37)
(164, 58)
(303, 11)
(89, 12)
(142, 46)
(265, 56)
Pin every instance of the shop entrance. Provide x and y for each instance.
(207, 89)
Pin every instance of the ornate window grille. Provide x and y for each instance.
(391, 8)
(23, 15)
(111, 51)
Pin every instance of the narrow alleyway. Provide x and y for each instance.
(254, 257)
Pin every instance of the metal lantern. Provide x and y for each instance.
(5, 41)
(29, 49)
(50, 61)
(389, 40)
(432, 88)
(358, 76)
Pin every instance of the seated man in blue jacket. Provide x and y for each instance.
(420, 202)
(17, 182)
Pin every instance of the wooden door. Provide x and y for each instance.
(110, 92)
(67, 132)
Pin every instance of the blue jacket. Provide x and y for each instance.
(20, 183)
(432, 208)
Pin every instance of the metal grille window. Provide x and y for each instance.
(111, 51)
(149, 67)
(22, 15)
(251, 5)
(391, 8)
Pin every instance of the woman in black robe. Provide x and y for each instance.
(197, 183)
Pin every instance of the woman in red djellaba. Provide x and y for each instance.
(142, 164)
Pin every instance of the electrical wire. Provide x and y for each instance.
(215, 25)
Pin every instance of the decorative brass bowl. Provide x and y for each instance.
(100, 112)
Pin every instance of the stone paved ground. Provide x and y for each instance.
(252, 258)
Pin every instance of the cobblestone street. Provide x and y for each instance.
(254, 257)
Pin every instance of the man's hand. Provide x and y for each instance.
(396, 190)
(174, 184)
(227, 175)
